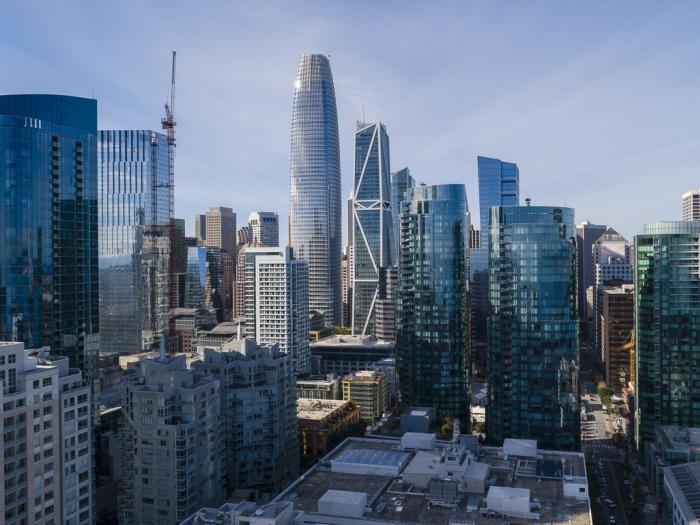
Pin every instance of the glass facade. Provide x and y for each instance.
(667, 329)
(203, 280)
(315, 223)
(48, 227)
(432, 330)
(372, 222)
(533, 359)
(400, 182)
(134, 213)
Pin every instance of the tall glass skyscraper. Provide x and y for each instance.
(48, 227)
(372, 221)
(400, 182)
(667, 328)
(533, 359)
(432, 331)
(134, 218)
(315, 222)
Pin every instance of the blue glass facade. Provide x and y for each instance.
(432, 331)
(400, 182)
(499, 185)
(667, 328)
(134, 210)
(533, 359)
(48, 226)
(372, 222)
(315, 222)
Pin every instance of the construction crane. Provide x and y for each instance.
(169, 124)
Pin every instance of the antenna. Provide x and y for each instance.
(363, 114)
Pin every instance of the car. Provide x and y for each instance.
(610, 503)
(611, 520)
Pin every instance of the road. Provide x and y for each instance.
(607, 459)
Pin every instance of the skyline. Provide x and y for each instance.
(588, 97)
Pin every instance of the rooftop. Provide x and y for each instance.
(352, 340)
(318, 409)
(551, 480)
(684, 484)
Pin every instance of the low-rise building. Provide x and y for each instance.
(370, 389)
(185, 322)
(315, 387)
(345, 354)
(682, 494)
(323, 424)
(673, 445)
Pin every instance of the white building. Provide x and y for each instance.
(691, 205)
(46, 439)
(277, 302)
(682, 491)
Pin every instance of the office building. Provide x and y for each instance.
(370, 390)
(134, 209)
(185, 323)
(49, 292)
(243, 513)
(586, 235)
(319, 387)
(172, 439)
(264, 228)
(499, 185)
(372, 221)
(673, 446)
(221, 229)
(691, 205)
(323, 424)
(682, 494)
(345, 354)
(400, 182)
(200, 229)
(667, 327)
(47, 439)
(203, 280)
(616, 326)
(258, 401)
(315, 222)
(432, 320)
(346, 289)
(533, 361)
(361, 480)
(277, 302)
(178, 262)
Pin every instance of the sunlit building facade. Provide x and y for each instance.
(372, 222)
(315, 223)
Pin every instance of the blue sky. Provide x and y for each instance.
(595, 101)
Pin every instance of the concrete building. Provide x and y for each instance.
(673, 446)
(47, 439)
(691, 205)
(323, 424)
(345, 354)
(258, 401)
(369, 389)
(244, 513)
(682, 494)
(264, 228)
(172, 440)
(324, 387)
(616, 326)
(218, 335)
(200, 229)
(277, 302)
(185, 322)
(385, 304)
(221, 229)
(367, 481)
(586, 235)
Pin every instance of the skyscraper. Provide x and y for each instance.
(533, 359)
(372, 221)
(49, 292)
(264, 227)
(200, 228)
(691, 205)
(432, 332)
(277, 302)
(315, 222)
(400, 182)
(499, 185)
(221, 229)
(667, 328)
(134, 210)
(586, 235)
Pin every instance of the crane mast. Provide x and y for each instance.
(168, 123)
